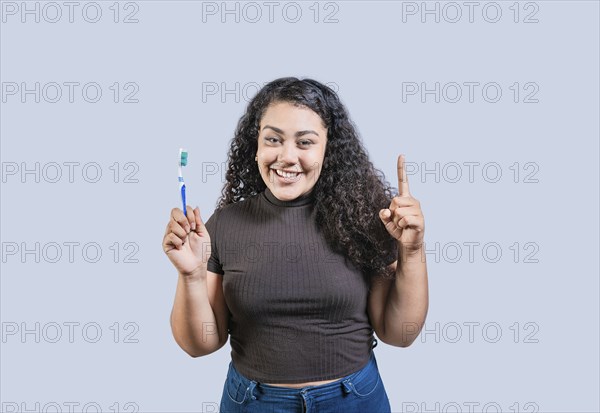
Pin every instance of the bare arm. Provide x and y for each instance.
(408, 301)
(195, 327)
(199, 319)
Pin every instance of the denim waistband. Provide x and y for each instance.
(343, 384)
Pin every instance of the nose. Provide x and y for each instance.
(288, 156)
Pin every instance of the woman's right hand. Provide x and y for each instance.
(187, 242)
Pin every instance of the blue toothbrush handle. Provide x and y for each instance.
(183, 199)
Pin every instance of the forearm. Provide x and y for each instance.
(408, 300)
(193, 321)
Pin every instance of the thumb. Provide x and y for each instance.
(199, 223)
(385, 215)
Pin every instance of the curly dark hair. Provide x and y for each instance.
(349, 188)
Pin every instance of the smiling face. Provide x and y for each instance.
(291, 142)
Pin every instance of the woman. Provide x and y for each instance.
(298, 263)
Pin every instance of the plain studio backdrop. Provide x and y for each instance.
(494, 104)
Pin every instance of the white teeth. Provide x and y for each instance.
(286, 174)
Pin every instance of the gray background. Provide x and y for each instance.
(367, 55)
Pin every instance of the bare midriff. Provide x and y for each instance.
(300, 385)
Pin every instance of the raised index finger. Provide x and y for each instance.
(402, 178)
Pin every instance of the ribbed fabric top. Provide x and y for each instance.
(298, 310)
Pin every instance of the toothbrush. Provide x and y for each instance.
(182, 162)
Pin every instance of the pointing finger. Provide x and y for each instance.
(402, 178)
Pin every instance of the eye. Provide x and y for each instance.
(306, 143)
(268, 139)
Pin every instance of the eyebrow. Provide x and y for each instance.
(297, 134)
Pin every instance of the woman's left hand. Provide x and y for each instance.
(404, 219)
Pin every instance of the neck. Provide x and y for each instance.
(304, 199)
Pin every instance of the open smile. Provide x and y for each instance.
(287, 176)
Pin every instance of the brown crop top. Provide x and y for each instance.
(298, 310)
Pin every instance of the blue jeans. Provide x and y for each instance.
(362, 392)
